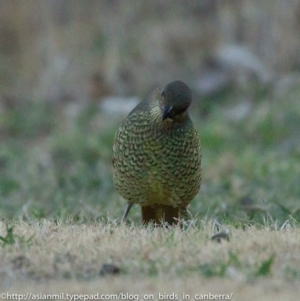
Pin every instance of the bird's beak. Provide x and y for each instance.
(166, 111)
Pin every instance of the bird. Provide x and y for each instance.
(157, 156)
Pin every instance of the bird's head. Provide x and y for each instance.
(175, 98)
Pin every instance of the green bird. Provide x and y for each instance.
(157, 156)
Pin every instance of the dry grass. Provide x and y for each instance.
(49, 257)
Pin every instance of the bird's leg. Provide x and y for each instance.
(185, 214)
(127, 209)
(185, 217)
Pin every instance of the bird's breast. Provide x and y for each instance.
(157, 163)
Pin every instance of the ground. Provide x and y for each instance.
(60, 213)
(63, 258)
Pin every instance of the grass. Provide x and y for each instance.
(56, 164)
(68, 258)
(59, 210)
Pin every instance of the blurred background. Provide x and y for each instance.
(71, 70)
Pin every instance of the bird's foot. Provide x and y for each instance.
(127, 209)
(186, 220)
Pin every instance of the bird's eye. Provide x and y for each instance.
(162, 93)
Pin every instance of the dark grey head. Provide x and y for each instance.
(176, 97)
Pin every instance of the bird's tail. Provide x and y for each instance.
(160, 213)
